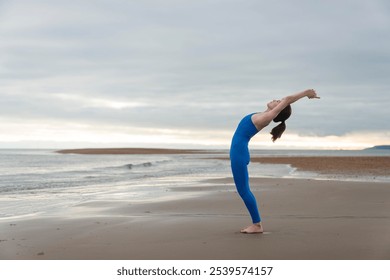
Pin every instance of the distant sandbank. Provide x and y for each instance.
(129, 151)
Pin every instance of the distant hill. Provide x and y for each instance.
(381, 147)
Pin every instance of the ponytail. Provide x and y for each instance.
(278, 130)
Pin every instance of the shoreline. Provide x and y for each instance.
(327, 165)
(303, 220)
(357, 166)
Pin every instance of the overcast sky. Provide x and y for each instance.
(155, 73)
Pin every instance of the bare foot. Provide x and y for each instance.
(254, 228)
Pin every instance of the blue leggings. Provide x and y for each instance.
(239, 157)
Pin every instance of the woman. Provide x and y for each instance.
(278, 111)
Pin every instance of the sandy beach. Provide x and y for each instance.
(304, 219)
(363, 165)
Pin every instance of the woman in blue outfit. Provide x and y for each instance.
(250, 125)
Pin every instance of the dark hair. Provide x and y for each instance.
(278, 130)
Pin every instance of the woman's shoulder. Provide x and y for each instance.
(261, 119)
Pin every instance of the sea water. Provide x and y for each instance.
(43, 181)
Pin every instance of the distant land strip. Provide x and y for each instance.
(130, 151)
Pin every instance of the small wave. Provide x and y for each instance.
(145, 164)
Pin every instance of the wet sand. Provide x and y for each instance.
(303, 219)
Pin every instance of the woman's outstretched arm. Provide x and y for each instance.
(310, 93)
(270, 115)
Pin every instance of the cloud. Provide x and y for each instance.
(195, 65)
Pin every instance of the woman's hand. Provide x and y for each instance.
(310, 93)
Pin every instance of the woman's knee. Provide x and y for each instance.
(244, 192)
